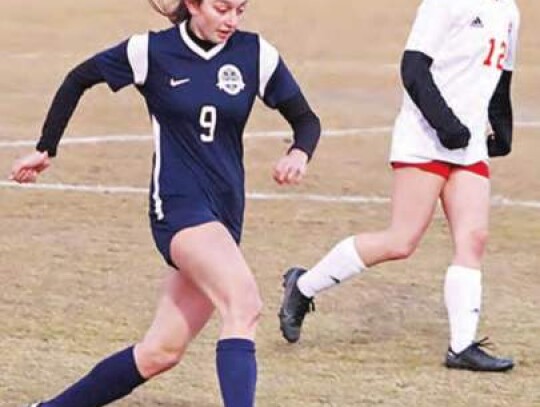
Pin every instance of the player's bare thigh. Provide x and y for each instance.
(466, 202)
(211, 258)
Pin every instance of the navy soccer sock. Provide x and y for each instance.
(237, 371)
(109, 380)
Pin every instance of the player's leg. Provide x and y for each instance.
(182, 312)
(414, 198)
(211, 258)
(465, 201)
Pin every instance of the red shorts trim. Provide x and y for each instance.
(444, 169)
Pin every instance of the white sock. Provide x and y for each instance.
(463, 298)
(341, 263)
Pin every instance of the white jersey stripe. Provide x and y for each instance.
(158, 204)
(137, 50)
(268, 62)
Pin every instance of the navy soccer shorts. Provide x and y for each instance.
(184, 212)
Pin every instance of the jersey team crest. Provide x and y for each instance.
(230, 80)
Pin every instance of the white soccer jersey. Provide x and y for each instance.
(470, 42)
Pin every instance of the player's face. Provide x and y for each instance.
(216, 20)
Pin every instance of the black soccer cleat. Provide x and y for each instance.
(294, 306)
(476, 359)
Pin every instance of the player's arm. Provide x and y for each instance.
(500, 106)
(421, 87)
(81, 78)
(78, 80)
(304, 122)
(499, 143)
(279, 90)
(306, 128)
(434, 20)
(119, 66)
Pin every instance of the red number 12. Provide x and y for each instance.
(489, 60)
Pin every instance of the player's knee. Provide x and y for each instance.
(244, 311)
(402, 252)
(403, 247)
(156, 357)
(249, 311)
(473, 240)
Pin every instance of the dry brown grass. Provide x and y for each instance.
(80, 276)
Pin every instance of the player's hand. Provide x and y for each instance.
(27, 168)
(456, 138)
(291, 168)
(498, 146)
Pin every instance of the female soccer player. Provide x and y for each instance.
(456, 70)
(199, 80)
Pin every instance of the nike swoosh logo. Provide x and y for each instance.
(177, 82)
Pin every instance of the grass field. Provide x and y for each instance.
(80, 275)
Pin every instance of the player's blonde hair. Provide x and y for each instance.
(175, 10)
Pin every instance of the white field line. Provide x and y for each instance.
(499, 201)
(122, 138)
(127, 138)
(529, 124)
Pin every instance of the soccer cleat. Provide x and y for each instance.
(294, 307)
(33, 405)
(476, 359)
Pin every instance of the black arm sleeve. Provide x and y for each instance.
(501, 118)
(421, 87)
(83, 77)
(304, 122)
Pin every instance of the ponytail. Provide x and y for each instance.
(180, 14)
(176, 14)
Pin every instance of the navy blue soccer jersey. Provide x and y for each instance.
(199, 102)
